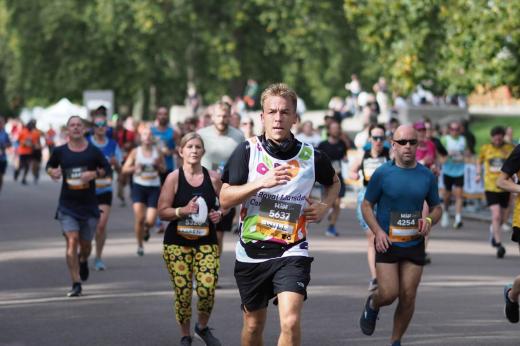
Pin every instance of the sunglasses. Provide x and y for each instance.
(100, 124)
(404, 142)
(378, 138)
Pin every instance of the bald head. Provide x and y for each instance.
(405, 132)
(405, 145)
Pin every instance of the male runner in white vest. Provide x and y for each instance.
(271, 176)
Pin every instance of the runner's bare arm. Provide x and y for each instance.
(354, 171)
(168, 191)
(128, 167)
(505, 182)
(382, 241)
(430, 220)
(217, 186)
(231, 195)
(316, 210)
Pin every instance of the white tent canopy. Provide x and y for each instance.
(55, 115)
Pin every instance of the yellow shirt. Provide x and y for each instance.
(493, 158)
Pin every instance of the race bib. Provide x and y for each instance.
(103, 182)
(495, 164)
(457, 156)
(73, 178)
(370, 165)
(278, 219)
(192, 230)
(148, 172)
(404, 226)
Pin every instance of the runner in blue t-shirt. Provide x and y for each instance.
(104, 193)
(4, 144)
(399, 189)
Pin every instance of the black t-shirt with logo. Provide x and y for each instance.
(77, 198)
(512, 164)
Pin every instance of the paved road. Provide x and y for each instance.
(459, 300)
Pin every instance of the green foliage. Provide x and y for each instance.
(58, 48)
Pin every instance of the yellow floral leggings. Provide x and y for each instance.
(186, 262)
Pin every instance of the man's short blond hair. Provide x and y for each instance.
(281, 90)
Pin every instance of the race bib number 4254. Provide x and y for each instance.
(278, 219)
(404, 226)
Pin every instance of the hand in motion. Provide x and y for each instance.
(215, 216)
(278, 176)
(54, 173)
(382, 241)
(315, 211)
(425, 227)
(191, 208)
(88, 176)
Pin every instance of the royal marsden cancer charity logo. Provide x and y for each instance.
(267, 164)
(264, 167)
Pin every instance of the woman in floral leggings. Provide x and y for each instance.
(189, 201)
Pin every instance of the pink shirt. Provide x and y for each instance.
(426, 153)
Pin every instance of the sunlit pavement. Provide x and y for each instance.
(459, 301)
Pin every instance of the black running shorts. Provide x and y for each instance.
(500, 198)
(104, 198)
(259, 282)
(449, 182)
(395, 254)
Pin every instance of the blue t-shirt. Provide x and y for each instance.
(109, 149)
(4, 143)
(165, 138)
(400, 193)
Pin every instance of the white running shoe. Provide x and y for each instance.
(506, 227)
(445, 220)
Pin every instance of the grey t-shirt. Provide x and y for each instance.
(219, 147)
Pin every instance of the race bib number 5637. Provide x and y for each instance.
(278, 219)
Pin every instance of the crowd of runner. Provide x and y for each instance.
(217, 173)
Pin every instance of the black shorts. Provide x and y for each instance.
(3, 167)
(516, 235)
(226, 224)
(450, 181)
(104, 198)
(500, 198)
(25, 160)
(259, 282)
(395, 254)
(148, 195)
(37, 155)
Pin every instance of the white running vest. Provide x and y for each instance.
(276, 214)
(149, 176)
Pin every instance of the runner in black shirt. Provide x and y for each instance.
(79, 163)
(336, 149)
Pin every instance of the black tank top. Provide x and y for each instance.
(370, 164)
(185, 231)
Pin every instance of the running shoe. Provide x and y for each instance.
(206, 336)
(331, 231)
(83, 270)
(372, 285)
(368, 319)
(99, 264)
(396, 343)
(186, 341)
(511, 308)
(427, 259)
(501, 251)
(140, 251)
(457, 224)
(445, 220)
(75, 291)
(506, 228)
